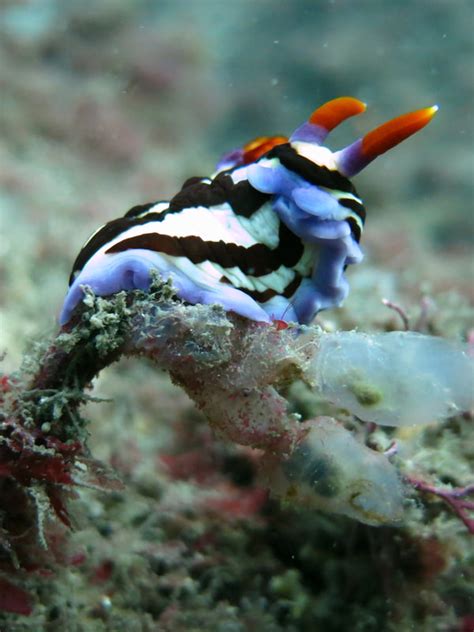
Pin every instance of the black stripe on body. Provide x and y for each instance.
(108, 232)
(355, 228)
(194, 180)
(359, 210)
(256, 260)
(140, 209)
(315, 174)
(354, 205)
(242, 197)
(266, 295)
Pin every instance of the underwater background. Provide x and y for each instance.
(105, 105)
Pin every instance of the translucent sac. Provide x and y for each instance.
(394, 379)
(330, 470)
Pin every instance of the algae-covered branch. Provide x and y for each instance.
(238, 373)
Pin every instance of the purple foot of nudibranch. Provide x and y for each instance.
(132, 269)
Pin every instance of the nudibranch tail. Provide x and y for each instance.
(352, 159)
(326, 118)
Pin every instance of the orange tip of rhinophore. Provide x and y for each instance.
(393, 132)
(255, 148)
(332, 113)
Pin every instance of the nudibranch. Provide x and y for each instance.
(268, 236)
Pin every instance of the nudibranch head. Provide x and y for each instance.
(268, 236)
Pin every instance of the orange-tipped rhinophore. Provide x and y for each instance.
(352, 159)
(326, 118)
(386, 136)
(334, 112)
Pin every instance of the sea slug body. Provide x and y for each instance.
(268, 236)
